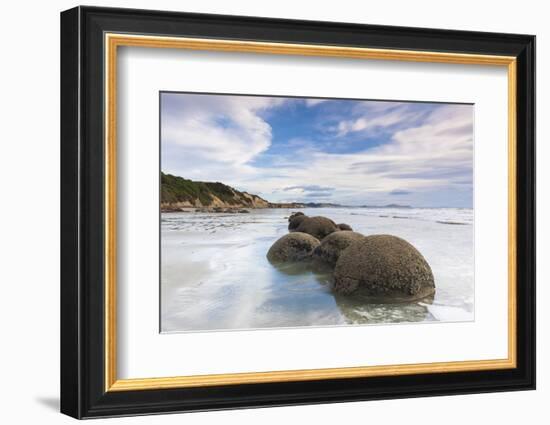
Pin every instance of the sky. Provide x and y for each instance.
(350, 152)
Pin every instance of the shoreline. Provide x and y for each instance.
(242, 208)
(246, 209)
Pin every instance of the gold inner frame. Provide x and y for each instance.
(113, 41)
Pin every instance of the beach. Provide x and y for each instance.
(215, 275)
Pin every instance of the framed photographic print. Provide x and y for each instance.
(261, 212)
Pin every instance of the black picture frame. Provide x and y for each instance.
(83, 392)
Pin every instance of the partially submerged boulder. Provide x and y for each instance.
(333, 245)
(318, 227)
(344, 226)
(292, 247)
(383, 266)
(295, 220)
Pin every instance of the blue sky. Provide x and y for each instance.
(316, 150)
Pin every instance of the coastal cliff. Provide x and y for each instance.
(178, 193)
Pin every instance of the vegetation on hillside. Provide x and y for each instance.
(177, 189)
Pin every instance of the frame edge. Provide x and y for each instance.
(526, 203)
(70, 349)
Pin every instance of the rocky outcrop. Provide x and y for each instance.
(383, 266)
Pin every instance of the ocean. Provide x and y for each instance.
(215, 275)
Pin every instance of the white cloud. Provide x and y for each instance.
(373, 115)
(214, 137)
(314, 102)
(227, 129)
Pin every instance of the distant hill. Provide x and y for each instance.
(177, 193)
(386, 206)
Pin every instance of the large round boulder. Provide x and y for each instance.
(295, 220)
(318, 227)
(344, 226)
(333, 245)
(292, 247)
(383, 266)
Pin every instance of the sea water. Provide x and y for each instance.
(215, 275)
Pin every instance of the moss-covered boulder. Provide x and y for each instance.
(383, 266)
(333, 245)
(292, 247)
(318, 227)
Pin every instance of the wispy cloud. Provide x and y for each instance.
(309, 188)
(315, 102)
(297, 193)
(199, 130)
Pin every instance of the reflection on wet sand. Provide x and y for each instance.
(319, 273)
(359, 310)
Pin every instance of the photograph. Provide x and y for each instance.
(290, 212)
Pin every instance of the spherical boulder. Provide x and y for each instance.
(344, 226)
(318, 227)
(333, 245)
(383, 266)
(292, 247)
(295, 220)
(296, 214)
